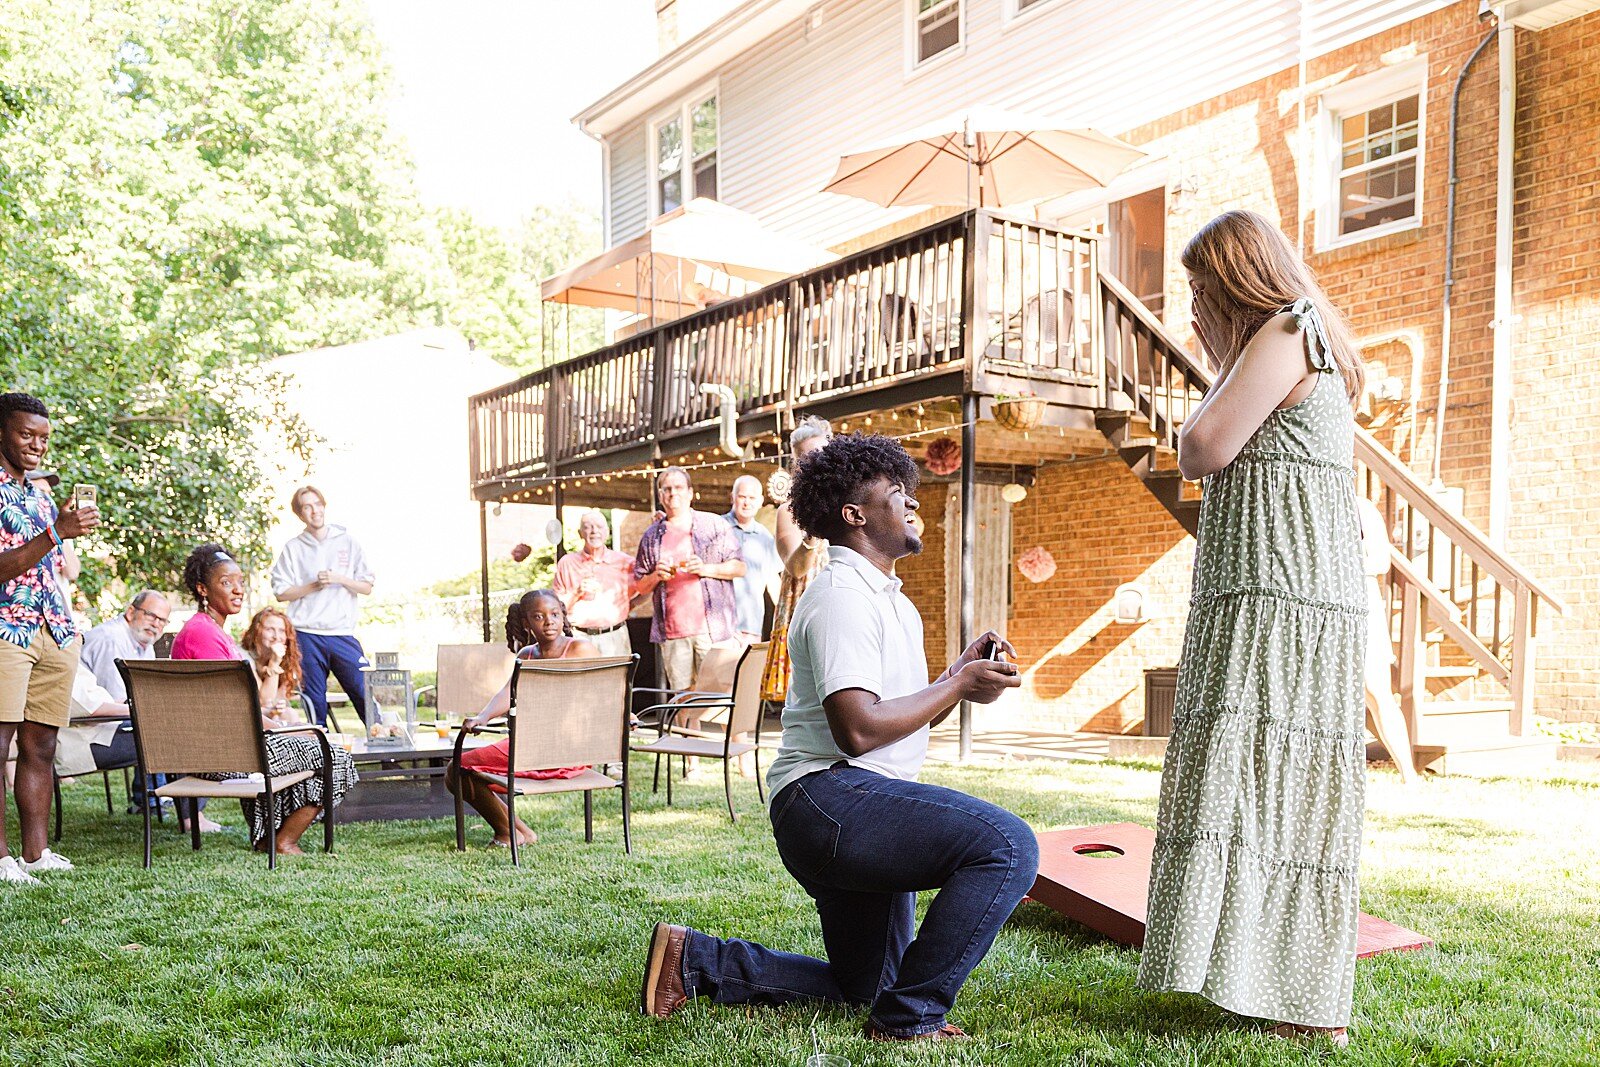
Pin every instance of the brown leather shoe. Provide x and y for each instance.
(663, 992)
(947, 1032)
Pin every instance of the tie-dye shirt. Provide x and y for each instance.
(32, 599)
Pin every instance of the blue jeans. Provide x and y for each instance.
(863, 846)
(341, 654)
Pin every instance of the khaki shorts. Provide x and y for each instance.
(36, 682)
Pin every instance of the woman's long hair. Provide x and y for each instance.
(291, 646)
(1254, 272)
(518, 636)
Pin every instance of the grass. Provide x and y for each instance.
(399, 951)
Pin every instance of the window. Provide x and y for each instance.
(1022, 6)
(686, 168)
(1137, 228)
(1372, 157)
(935, 29)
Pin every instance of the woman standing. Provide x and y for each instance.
(536, 628)
(1253, 886)
(217, 582)
(802, 558)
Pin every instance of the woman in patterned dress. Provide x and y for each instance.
(217, 582)
(536, 628)
(802, 557)
(1253, 886)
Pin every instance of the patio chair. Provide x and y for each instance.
(563, 713)
(744, 717)
(468, 675)
(198, 716)
(104, 772)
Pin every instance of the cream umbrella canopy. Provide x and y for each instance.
(983, 157)
(702, 243)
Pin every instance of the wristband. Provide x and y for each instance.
(51, 530)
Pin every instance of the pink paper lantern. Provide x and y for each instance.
(943, 456)
(520, 552)
(1037, 564)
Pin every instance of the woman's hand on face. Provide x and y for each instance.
(1208, 325)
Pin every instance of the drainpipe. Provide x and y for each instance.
(729, 442)
(1450, 259)
(1505, 317)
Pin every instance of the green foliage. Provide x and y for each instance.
(532, 573)
(187, 191)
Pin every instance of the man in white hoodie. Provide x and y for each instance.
(318, 576)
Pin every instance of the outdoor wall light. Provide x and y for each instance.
(1128, 604)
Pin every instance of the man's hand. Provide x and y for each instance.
(588, 588)
(664, 570)
(696, 566)
(982, 680)
(77, 521)
(978, 650)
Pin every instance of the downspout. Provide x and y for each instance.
(1450, 258)
(729, 440)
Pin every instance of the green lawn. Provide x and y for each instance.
(399, 951)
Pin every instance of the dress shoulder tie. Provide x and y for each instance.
(1308, 320)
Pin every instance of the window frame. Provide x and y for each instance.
(1014, 14)
(1357, 96)
(913, 66)
(681, 111)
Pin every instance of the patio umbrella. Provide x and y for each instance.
(983, 155)
(702, 243)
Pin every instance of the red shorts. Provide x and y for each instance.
(493, 760)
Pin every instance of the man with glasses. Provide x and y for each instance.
(131, 635)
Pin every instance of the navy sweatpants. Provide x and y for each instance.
(341, 654)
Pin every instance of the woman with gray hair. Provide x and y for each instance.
(802, 556)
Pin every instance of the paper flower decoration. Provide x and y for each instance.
(1037, 564)
(778, 483)
(944, 456)
(520, 552)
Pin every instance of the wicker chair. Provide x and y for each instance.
(744, 717)
(198, 716)
(563, 713)
(468, 676)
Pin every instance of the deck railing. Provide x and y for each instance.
(916, 305)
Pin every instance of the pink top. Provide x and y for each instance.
(612, 573)
(685, 602)
(202, 638)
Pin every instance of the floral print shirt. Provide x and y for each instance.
(32, 599)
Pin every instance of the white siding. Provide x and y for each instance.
(630, 185)
(791, 107)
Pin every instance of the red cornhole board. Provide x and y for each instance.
(1108, 894)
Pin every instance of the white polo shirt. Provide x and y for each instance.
(853, 629)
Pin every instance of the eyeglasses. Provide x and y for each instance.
(152, 616)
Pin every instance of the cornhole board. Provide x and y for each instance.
(1100, 875)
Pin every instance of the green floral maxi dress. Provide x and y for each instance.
(1253, 885)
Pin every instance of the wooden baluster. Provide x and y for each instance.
(1413, 684)
(1524, 622)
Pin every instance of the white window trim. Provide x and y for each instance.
(1010, 15)
(1362, 94)
(912, 67)
(682, 110)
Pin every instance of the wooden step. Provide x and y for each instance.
(1445, 723)
(1490, 756)
(1452, 670)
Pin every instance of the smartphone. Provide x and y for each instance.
(85, 496)
(992, 650)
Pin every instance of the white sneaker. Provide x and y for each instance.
(11, 872)
(47, 861)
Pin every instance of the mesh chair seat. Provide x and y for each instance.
(678, 745)
(587, 780)
(229, 788)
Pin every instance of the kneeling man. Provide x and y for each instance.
(852, 824)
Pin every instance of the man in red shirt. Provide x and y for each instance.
(596, 584)
(688, 560)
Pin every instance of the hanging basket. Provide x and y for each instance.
(1019, 413)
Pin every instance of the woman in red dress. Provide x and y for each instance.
(536, 628)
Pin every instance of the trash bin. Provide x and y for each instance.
(1160, 694)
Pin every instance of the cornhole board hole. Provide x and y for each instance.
(1099, 876)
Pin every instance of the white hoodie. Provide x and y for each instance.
(331, 610)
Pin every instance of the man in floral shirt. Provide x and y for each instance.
(38, 642)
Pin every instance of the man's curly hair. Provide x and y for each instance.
(14, 403)
(832, 477)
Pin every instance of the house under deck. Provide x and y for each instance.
(938, 332)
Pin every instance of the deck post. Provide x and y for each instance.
(560, 502)
(969, 535)
(483, 564)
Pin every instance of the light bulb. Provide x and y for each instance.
(1013, 492)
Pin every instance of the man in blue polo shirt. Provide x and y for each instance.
(762, 568)
(852, 824)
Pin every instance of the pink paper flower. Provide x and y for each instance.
(1037, 564)
(520, 552)
(944, 456)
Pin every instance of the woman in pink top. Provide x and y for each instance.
(536, 628)
(217, 582)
